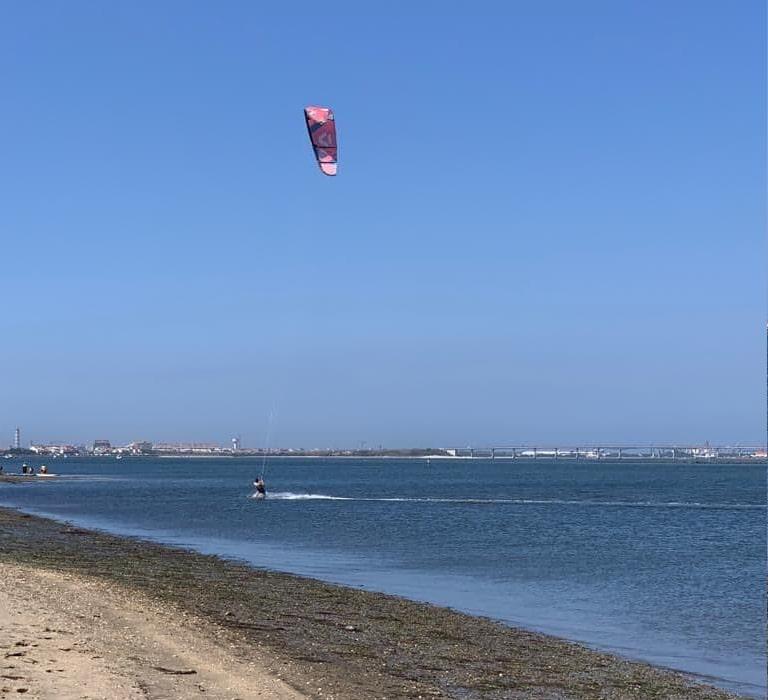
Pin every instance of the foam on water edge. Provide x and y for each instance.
(290, 496)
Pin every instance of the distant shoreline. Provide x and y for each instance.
(501, 458)
(545, 459)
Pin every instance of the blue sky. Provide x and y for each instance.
(549, 222)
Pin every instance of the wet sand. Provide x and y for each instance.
(85, 614)
(24, 478)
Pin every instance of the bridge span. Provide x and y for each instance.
(617, 452)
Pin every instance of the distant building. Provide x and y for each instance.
(54, 449)
(200, 448)
(236, 444)
(17, 439)
(101, 447)
(141, 447)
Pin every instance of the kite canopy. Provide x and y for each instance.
(322, 134)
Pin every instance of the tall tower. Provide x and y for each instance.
(17, 439)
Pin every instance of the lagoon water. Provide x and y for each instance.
(660, 562)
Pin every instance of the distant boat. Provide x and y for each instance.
(119, 457)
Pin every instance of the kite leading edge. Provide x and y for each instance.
(322, 133)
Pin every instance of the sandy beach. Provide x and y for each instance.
(65, 636)
(88, 615)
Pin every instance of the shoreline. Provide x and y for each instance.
(350, 643)
(25, 478)
(543, 458)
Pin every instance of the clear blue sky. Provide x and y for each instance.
(549, 222)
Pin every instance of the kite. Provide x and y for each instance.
(322, 133)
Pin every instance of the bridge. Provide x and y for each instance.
(617, 452)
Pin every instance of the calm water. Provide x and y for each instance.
(665, 563)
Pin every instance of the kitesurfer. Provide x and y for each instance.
(260, 488)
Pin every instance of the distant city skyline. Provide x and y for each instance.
(548, 224)
(235, 444)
